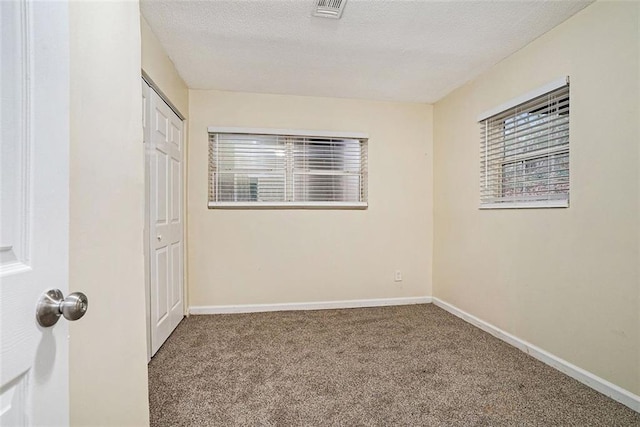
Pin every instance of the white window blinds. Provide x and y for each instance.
(525, 153)
(280, 170)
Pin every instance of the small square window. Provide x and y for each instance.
(525, 153)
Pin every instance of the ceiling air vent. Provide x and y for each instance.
(329, 8)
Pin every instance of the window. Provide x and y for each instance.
(525, 151)
(278, 168)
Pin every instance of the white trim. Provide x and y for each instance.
(288, 205)
(162, 95)
(146, 126)
(556, 84)
(289, 132)
(587, 378)
(563, 203)
(294, 306)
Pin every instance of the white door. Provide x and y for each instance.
(34, 215)
(165, 215)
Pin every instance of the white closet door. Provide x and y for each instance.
(166, 240)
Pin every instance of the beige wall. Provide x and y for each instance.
(160, 68)
(566, 280)
(108, 380)
(280, 256)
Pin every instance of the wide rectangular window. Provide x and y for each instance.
(274, 168)
(525, 153)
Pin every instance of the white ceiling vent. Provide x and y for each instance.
(329, 8)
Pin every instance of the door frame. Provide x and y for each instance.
(183, 204)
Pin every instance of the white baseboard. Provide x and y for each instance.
(599, 384)
(321, 305)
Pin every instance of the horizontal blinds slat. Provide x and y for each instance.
(549, 129)
(300, 146)
(520, 121)
(559, 89)
(525, 151)
(320, 172)
(499, 177)
(529, 187)
(493, 184)
(521, 184)
(559, 176)
(553, 141)
(527, 134)
(558, 146)
(555, 153)
(493, 130)
(554, 162)
(543, 125)
(552, 106)
(543, 192)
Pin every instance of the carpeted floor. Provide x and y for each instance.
(411, 365)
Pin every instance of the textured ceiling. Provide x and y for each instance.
(398, 50)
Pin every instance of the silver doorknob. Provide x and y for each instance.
(52, 304)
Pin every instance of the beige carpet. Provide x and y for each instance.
(410, 365)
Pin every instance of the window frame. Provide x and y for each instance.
(290, 171)
(500, 116)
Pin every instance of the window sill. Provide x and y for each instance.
(542, 204)
(289, 205)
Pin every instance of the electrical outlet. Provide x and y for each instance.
(398, 276)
